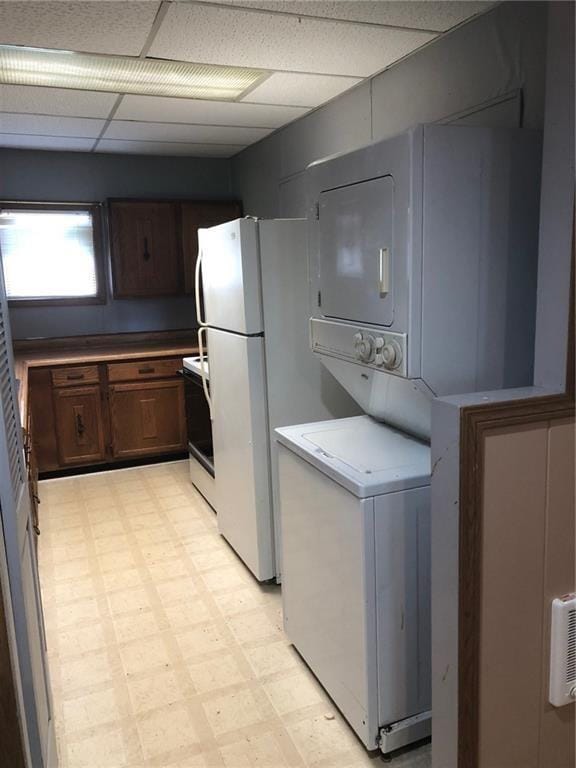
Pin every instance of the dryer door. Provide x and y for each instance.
(356, 258)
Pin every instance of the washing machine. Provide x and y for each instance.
(356, 591)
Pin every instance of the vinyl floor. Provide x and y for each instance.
(164, 652)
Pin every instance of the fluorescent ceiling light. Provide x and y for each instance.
(123, 74)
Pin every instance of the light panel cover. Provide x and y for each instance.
(122, 74)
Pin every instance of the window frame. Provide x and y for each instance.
(95, 209)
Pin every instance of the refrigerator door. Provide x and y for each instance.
(241, 448)
(230, 269)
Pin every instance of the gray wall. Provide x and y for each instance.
(80, 177)
(495, 62)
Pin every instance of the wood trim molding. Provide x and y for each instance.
(475, 422)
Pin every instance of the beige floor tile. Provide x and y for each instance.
(166, 730)
(154, 691)
(144, 654)
(255, 625)
(263, 751)
(202, 543)
(116, 543)
(219, 672)
(102, 750)
(90, 710)
(242, 600)
(72, 569)
(187, 613)
(318, 738)
(77, 640)
(78, 612)
(128, 600)
(176, 590)
(272, 657)
(167, 569)
(232, 711)
(116, 561)
(225, 578)
(107, 528)
(294, 691)
(216, 558)
(133, 627)
(122, 579)
(89, 670)
(201, 640)
(66, 591)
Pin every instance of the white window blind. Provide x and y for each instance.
(48, 254)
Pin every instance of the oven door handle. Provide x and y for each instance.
(201, 332)
(201, 322)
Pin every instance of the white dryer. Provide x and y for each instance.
(356, 591)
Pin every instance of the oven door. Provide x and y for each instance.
(198, 424)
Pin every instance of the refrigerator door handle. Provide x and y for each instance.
(197, 289)
(201, 331)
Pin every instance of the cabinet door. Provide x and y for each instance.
(79, 427)
(147, 418)
(201, 215)
(145, 249)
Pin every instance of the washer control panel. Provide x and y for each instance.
(376, 348)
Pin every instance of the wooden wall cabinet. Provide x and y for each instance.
(98, 414)
(144, 248)
(154, 243)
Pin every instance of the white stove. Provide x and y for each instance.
(194, 364)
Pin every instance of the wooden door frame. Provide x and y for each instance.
(475, 422)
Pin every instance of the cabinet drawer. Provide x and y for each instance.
(72, 377)
(144, 369)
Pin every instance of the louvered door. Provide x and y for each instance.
(22, 567)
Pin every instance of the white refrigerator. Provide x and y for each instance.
(254, 321)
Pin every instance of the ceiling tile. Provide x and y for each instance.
(205, 34)
(20, 141)
(167, 148)
(301, 90)
(55, 101)
(150, 108)
(11, 122)
(198, 134)
(102, 27)
(439, 16)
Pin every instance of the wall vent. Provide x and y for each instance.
(563, 651)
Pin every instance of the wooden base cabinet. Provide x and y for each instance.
(147, 418)
(108, 412)
(79, 425)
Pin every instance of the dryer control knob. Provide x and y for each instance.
(364, 347)
(391, 355)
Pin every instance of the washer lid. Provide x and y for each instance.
(366, 457)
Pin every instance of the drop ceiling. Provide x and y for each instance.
(309, 51)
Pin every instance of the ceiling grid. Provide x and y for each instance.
(300, 54)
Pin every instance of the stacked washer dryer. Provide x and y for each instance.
(423, 252)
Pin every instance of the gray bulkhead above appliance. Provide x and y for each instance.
(423, 253)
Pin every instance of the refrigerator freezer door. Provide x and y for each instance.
(356, 252)
(231, 277)
(241, 448)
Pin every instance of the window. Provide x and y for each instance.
(51, 253)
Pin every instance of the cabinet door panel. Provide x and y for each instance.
(145, 249)
(147, 418)
(201, 215)
(79, 425)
